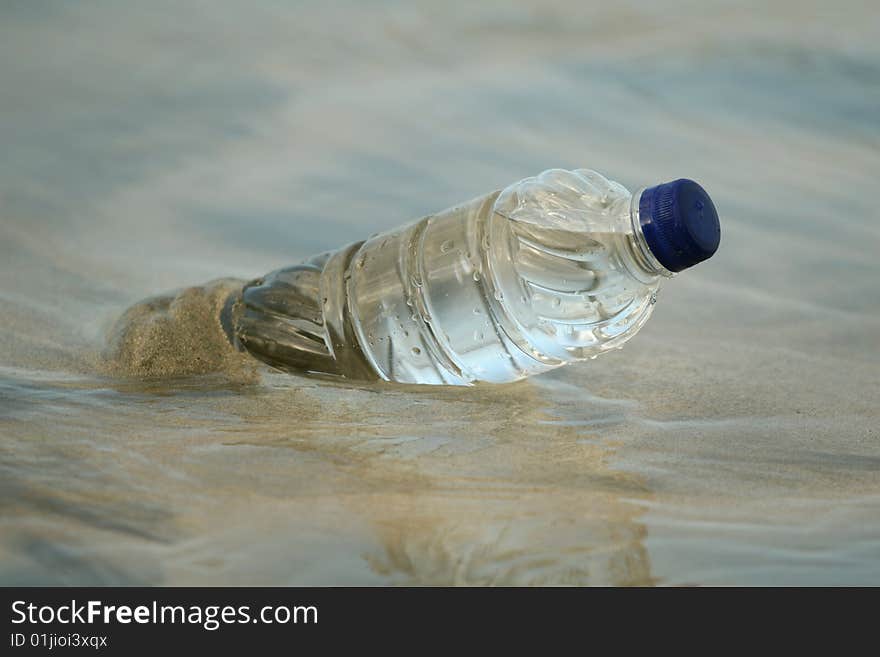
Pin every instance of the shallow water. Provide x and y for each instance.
(735, 440)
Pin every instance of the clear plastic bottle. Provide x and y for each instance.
(554, 269)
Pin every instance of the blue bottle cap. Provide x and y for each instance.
(680, 223)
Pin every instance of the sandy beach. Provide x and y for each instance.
(155, 148)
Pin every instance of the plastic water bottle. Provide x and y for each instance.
(553, 269)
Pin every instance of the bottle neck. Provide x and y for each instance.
(641, 253)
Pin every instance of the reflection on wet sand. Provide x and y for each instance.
(496, 489)
(520, 540)
(524, 500)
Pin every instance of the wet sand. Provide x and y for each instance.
(735, 440)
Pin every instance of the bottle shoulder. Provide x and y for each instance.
(566, 259)
(576, 201)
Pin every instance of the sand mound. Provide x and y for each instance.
(177, 334)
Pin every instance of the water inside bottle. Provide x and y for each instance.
(510, 284)
(505, 286)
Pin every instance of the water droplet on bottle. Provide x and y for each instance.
(446, 247)
(361, 261)
(416, 351)
(476, 275)
(415, 282)
(499, 295)
(557, 302)
(594, 356)
(478, 336)
(653, 298)
(477, 311)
